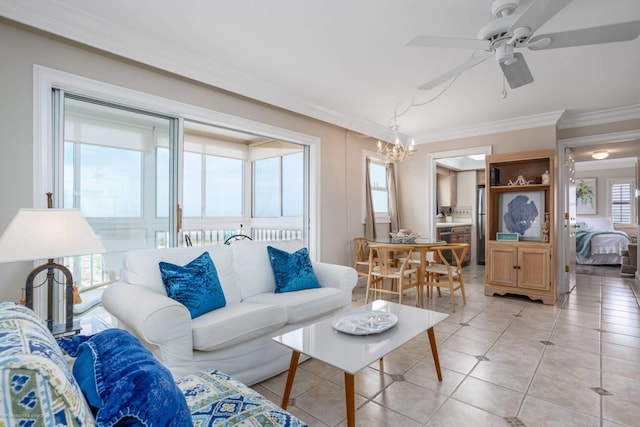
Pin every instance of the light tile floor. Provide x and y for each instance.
(506, 361)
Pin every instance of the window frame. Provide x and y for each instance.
(281, 185)
(631, 202)
(380, 218)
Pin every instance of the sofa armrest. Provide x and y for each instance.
(155, 318)
(336, 276)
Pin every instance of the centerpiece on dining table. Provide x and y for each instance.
(404, 235)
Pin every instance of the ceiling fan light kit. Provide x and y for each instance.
(513, 29)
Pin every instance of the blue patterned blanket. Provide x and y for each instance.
(217, 400)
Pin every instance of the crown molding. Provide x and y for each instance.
(507, 125)
(598, 117)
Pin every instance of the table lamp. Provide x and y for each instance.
(35, 234)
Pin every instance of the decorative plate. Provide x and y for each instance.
(404, 238)
(365, 322)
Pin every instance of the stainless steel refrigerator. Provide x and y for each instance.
(480, 223)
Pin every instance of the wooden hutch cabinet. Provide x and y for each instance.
(521, 234)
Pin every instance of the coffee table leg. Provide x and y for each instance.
(295, 356)
(434, 352)
(350, 390)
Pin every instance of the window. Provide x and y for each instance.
(266, 184)
(278, 184)
(379, 187)
(212, 186)
(224, 182)
(115, 170)
(621, 200)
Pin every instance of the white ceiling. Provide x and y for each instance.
(346, 62)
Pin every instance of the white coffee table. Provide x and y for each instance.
(351, 353)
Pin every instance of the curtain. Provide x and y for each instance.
(394, 209)
(370, 216)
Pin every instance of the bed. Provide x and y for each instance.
(597, 242)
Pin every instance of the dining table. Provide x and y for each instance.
(421, 245)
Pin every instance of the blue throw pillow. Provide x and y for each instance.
(125, 385)
(195, 285)
(293, 272)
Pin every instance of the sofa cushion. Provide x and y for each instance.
(216, 399)
(292, 271)
(235, 323)
(252, 266)
(195, 285)
(141, 267)
(304, 305)
(125, 384)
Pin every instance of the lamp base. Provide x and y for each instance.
(50, 267)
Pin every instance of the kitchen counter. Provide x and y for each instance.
(453, 224)
(456, 232)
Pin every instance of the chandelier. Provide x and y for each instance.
(396, 152)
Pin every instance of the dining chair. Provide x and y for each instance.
(383, 265)
(361, 262)
(446, 271)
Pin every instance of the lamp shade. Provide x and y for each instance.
(48, 233)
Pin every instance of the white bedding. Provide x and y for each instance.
(605, 248)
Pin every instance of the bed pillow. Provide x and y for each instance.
(292, 271)
(124, 384)
(195, 285)
(598, 223)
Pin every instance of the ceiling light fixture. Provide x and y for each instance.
(599, 155)
(396, 152)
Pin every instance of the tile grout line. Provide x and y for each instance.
(600, 348)
(468, 374)
(544, 349)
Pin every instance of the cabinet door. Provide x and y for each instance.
(533, 268)
(501, 264)
(466, 238)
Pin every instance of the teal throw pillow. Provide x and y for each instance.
(293, 272)
(195, 285)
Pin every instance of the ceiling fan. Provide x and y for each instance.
(511, 30)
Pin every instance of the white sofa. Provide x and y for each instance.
(235, 339)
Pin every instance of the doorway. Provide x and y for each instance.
(619, 145)
(451, 158)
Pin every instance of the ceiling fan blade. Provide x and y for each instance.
(518, 73)
(454, 72)
(448, 42)
(539, 12)
(621, 32)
